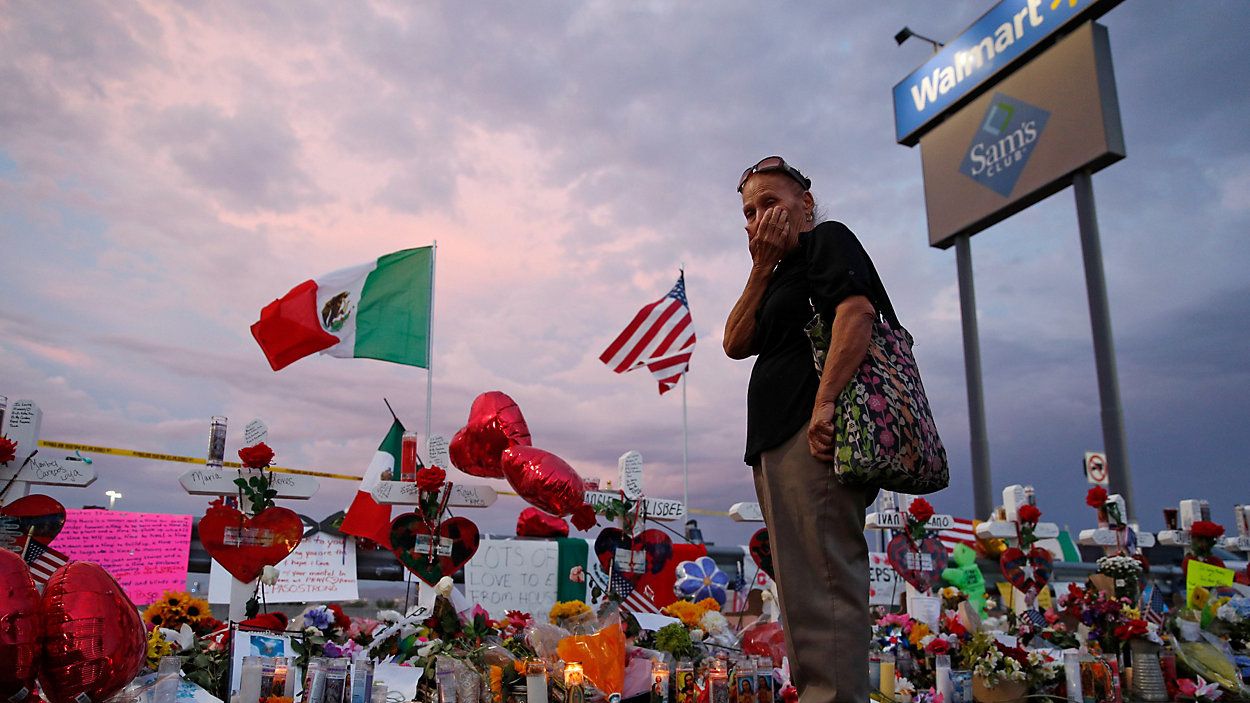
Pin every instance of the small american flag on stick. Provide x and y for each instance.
(660, 337)
(42, 560)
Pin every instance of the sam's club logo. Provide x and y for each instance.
(1002, 146)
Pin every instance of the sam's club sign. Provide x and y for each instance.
(1002, 146)
(1004, 38)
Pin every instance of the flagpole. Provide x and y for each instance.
(429, 350)
(685, 429)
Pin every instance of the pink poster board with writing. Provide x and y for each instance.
(146, 552)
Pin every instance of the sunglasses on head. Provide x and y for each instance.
(774, 163)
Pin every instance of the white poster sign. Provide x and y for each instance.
(884, 585)
(321, 569)
(511, 574)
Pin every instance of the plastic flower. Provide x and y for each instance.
(1029, 513)
(921, 510)
(320, 617)
(184, 638)
(8, 450)
(258, 456)
(430, 479)
(577, 574)
(1097, 497)
(1199, 690)
(918, 632)
(700, 579)
(1206, 529)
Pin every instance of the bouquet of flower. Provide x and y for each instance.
(183, 625)
(993, 661)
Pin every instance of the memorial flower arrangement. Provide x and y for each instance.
(689, 612)
(183, 625)
(993, 661)
(1099, 611)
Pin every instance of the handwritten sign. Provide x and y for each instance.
(656, 508)
(1202, 575)
(436, 451)
(630, 465)
(219, 482)
(22, 426)
(322, 568)
(884, 584)
(145, 552)
(254, 433)
(50, 471)
(509, 574)
(407, 493)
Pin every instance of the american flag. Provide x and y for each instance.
(660, 337)
(1037, 617)
(41, 559)
(960, 532)
(636, 601)
(1156, 610)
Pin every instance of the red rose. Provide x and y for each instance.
(1029, 513)
(584, 517)
(256, 457)
(1207, 529)
(1097, 497)
(921, 510)
(938, 646)
(430, 479)
(8, 450)
(340, 618)
(1131, 629)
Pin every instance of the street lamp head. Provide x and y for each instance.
(112, 494)
(903, 35)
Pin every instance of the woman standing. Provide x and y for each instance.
(815, 524)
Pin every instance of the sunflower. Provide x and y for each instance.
(196, 609)
(156, 615)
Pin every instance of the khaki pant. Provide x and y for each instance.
(816, 530)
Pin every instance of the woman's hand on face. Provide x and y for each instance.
(773, 238)
(820, 432)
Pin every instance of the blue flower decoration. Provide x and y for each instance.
(700, 579)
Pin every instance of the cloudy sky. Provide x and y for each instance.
(167, 169)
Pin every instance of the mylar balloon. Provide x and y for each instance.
(543, 479)
(94, 641)
(765, 639)
(533, 522)
(495, 424)
(20, 628)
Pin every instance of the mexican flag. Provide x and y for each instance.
(366, 517)
(379, 310)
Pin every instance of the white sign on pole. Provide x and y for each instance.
(1096, 469)
(321, 569)
(22, 426)
(630, 464)
(510, 574)
(255, 432)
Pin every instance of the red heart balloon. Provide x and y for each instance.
(765, 639)
(1026, 571)
(533, 522)
(919, 564)
(543, 479)
(20, 628)
(411, 544)
(495, 424)
(36, 512)
(94, 641)
(246, 545)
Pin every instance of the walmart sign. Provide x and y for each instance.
(1004, 38)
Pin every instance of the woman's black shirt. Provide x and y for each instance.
(828, 266)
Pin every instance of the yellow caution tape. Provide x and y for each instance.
(154, 456)
(136, 454)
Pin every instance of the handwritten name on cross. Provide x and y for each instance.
(22, 423)
(893, 515)
(1112, 534)
(630, 465)
(1239, 542)
(1177, 535)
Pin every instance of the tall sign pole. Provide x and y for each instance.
(1115, 446)
(982, 500)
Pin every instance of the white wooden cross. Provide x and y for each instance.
(21, 423)
(1006, 529)
(1239, 542)
(893, 515)
(630, 465)
(1190, 511)
(211, 481)
(462, 495)
(1110, 533)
